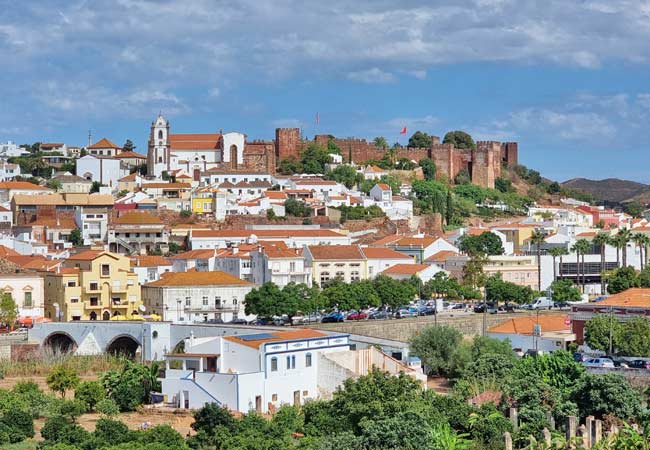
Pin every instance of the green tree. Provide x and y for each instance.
(437, 346)
(602, 332)
(486, 243)
(76, 238)
(431, 196)
(130, 385)
(420, 140)
(380, 142)
(497, 290)
(463, 178)
(581, 247)
(392, 292)
(642, 241)
(107, 407)
(62, 379)
(71, 409)
(91, 393)
(621, 279)
(601, 240)
(405, 164)
(557, 252)
(633, 338)
(428, 168)
(296, 208)
(390, 180)
(211, 416)
(95, 187)
(537, 239)
(290, 166)
(633, 208)
(503, 185)
(128, 146)
(459, 139)
(8, 310)
(313, 158)
(644, 277)
(346, 175)
(600, 395)
(54, 184)
(565, 291)
(623, 236)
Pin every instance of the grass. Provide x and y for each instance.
(45, 360)
(25, 445)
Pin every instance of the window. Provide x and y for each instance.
(93, 286)
(274, 364)
(293, 362)
(308, 360)
(74, 300)
(116, 301)
(72, 283)
(28, 300)
(340, 274)
(324, 277)
(234, 301)
(205, 301)
(217, 302)
(354, 276)
(288, 362)
(188, 301)
(292, 267)
(94, 301)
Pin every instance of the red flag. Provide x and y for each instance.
(317, 119)
(403, 131)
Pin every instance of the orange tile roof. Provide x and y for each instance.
(183, 137)
(587, 234)
(524, 325)
(6, 251)
(167, 185)
(415, 242)
(278, 195)
(194, 254)
(130, 177)
(127, 155)
(87, 255)
(316, 181)
(383, 186)
(330, 252)
(51, 222)
(383, 253)
(441, 256)
(149, 261)
(289, 335)
(194, 278)
(633, 298)
(67, 270)
(103, 143)
(374, 169)
(140, 218)
(23, 185)
(406, 269)
(387, 240)
(35, 262)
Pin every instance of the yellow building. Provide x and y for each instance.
(203, 200)
(92, 285)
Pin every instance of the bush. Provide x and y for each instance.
(163, 434)
(22, 424)
(91, 393)
(70, 409)
(185, 213)
(211, 416)
(112, 431)
(62, 379)
(107, 407)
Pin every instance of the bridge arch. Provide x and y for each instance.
(60, 342)
(124, 345)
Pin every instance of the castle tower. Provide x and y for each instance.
(158, 150)
(486, 163)
(287, 143)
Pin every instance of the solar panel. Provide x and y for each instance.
(256, 337)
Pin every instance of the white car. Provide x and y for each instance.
(599, 362)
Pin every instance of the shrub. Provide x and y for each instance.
(21, 422)
(91, 393)
(112, 431)
(62, 379)
(107, 407)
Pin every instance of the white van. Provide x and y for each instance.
(542, 303)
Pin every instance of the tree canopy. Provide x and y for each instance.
(459, 139)
(486, 243)
(420, 139)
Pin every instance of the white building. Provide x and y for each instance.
(251, 372)
(10, 188)
(293, 237)
(373, 173)
(318, 186)
(381, 258)
(544, 332)
(345, 262)
(405, 271)
(215, 176)
(103, 147)
(93, 223)
(199, 260)
(103, 169)
(27, 291)
(8, 171)
(279, 265)
(186, 297)
(10, 148)
(394, 206)
(150, 267)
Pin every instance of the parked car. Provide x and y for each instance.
(214, 321)
(491, 308)
(599, 362)
(238, 322)
(357, 315)
(639, 364)
(542, 303)
(333, 317)
(560, 305)
(379, 315)
(404, 312)
(621, 363)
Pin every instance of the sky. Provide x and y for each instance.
(569, 81)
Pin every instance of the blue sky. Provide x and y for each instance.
(568, 80)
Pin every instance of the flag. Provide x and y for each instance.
(403, 131)
(317, 119)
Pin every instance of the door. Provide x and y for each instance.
(258, 404)
(296, 398)
(186, 395)
(212, 364)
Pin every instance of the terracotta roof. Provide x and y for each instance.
(3, 209)
(6, 251)
(51, 222)
(127, 155)
(35, 262)
(587, 234)
(383, 253)
(316, 181)
(406, 269)
(383, 186)
(441, 256)
(194, 278)
(51, 144)
(194, 141)
(72, 179)
(22, 185)
(275, 252)
(331, 252)
(74, 199)
(524, 325)
(103, 143)
(266, 233)
(183, 137)
(166, 185)
(194, 254)
(87, 255)
(129, 177)
(355, 200)
(140, 218)
(422, 242)
(289, 335)
(391, 238)
(633, 297)
(149, 261)
(278, 195)
(374, 169)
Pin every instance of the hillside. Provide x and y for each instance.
(611, 189)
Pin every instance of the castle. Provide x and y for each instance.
(230, 152)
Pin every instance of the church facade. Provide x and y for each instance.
(199, 153)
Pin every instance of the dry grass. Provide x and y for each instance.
(45, 360)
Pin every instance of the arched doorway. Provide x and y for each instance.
(106, 315)
(60, 343)
(123, 346)
(93, 315)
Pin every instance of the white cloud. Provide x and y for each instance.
(214, 92)
(374, 75)
(567, 125)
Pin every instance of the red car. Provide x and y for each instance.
(359, 315)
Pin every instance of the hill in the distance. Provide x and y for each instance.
(611, 189)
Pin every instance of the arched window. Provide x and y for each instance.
(308, 360)
(274, 364)
(160, 134)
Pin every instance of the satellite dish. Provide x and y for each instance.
(253, 239)
(142, 308)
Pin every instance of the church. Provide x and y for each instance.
(200, 153)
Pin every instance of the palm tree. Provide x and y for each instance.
(580, 248)
(557, 252)
(537, 238)
(601, 239)
(642, 241)
(624, 235)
